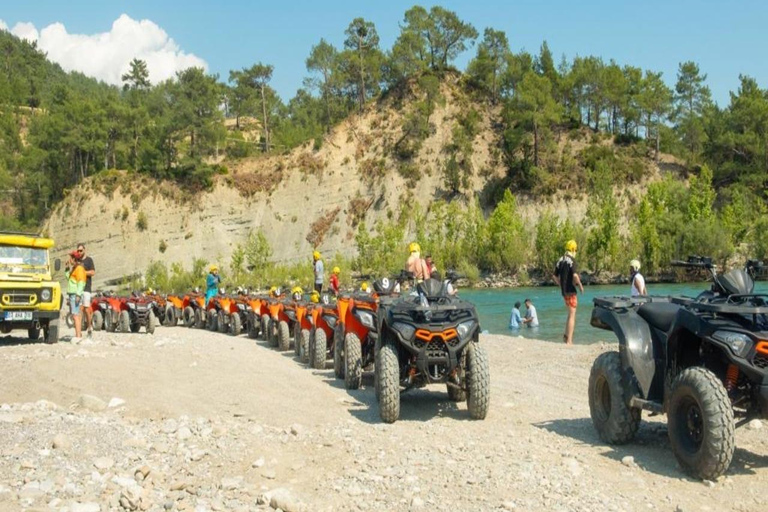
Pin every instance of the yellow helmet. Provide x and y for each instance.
(314, 296)
(273, 291)
(414, 247)
(635, 265)
(316, 255)
(297, 289)
(214, 268)
(571, 246)
(150, 291)
(336, 270)
(364, 286)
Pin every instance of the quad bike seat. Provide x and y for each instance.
(659, 314)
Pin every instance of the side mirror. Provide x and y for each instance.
(57, 264)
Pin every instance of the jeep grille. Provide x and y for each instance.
(19, 298)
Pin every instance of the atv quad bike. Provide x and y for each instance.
(106, 311)
(431, 337)
(193, 310)
(356, 334)
(218, 309)
(238, 314)
(325, 318)
(703, 362)
(258, 317)
(302, 330)
(139, 313)
(279, 324)
(174, 307)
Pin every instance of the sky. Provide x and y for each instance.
(100, 37)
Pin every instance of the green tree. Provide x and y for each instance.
(137, 76)
(507, 243)
(536, 109)
(692, 99)
(323, 63)
(362, 59)
(491, 62)
(655, 103)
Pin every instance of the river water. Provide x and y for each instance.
(494, 307)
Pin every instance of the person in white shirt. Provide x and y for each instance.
(638, 281)
(531, 318)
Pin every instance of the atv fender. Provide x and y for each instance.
(635, 342)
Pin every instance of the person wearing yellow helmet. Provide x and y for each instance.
(364, 287)
(319, 269)
(334, 280)
(415, 263)
(212, 283)
(314, 297)
(297, 292)
(273, 291)
(566, 276)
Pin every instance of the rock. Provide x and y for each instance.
(11, 417)
(296, 429)
(183, 433)
(258, 462)
(354, 490)
(283, 499)
(416, 503)
(116, 402)
(197, 455)
(509, 505)
(130, 498)
(170, 426)
(61, 442)
(628, 461)
(232, 483)
(709, 483)
(179, 485)
(28, 464)
(88, 506)
(269, 474)
(755, 425)
(103, 463)
(91, 403)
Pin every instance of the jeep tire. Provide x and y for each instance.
(51, 331)
(615, 421)
(700, 423)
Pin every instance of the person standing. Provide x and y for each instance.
(567, 278)
(90, 271)
(416, 264)
(76, 280)
(319, 271)
(212, 283)
(638, 281)
(431, 267)
(333, 282)
(514, 319)
(531, 318)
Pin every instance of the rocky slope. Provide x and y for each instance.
(128, 221)
(140, 422)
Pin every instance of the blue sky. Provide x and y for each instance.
(724, 38)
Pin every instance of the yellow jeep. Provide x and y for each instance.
(29, 297)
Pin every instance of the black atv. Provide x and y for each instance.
(702, 361)
(428, 337)
(141, 313)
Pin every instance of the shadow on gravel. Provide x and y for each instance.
(416, 405)
(650, 448)
(13, 341)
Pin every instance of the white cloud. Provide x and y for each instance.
(107, 55)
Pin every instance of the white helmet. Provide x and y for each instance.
(634, 265)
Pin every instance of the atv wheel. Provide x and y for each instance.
(615, 421)
(388, 371)
(304, 345)
(272, 332)
(265, 328)
(124, 321)
(170, 316)
(151, 323)
(478, 381)
(223, 322)
(297, 339)
(213, 320)
(235, 325)
(283, 336)
(97, 321)
(70, 320)
(33, 333)
(135, 327)
(110, 321)
(319, 349)
(200, 319)
(51, 331)
(189, 316)
(700, 423)
(338, 352)
(253, 331)
(353, 361)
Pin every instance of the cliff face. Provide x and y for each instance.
(300, 200)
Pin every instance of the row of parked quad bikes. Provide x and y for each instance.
(424, 336)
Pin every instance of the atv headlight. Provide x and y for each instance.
(405, 330)
(366, 319)
(45, 295)
(739, 343)
(131, 305)
(465, 329)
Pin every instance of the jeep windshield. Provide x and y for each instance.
(23, 260)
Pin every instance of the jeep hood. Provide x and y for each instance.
(24, 277)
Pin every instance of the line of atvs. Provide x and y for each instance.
(425, 335)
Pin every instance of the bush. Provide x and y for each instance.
(141, 221)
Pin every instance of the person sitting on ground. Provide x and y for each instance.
(638, 281)
(76, 279)
(415, 264)
(531, 318)
(334, 280)
(515, 319)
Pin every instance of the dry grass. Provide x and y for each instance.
(321, 226)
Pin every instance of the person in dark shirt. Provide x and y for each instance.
(566, 276)
(90, 271)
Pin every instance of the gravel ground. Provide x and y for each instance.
(192, 420)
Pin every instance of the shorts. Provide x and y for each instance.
(571, 300)
(74, 305)
(86, 299)
(319, 287)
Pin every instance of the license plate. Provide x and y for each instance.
(18, 316)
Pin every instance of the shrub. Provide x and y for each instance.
(141, 221)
